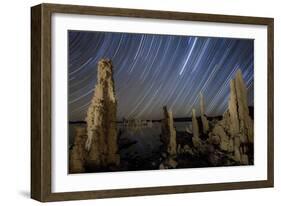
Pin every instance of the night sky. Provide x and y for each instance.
(151, 71)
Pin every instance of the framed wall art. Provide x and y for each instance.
(132, 102)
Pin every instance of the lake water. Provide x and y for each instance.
(147, 138)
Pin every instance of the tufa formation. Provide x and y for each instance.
(234, 133)
(228, 141)
(101, 120)
(169, 141)
(212, 142)
(204, 119)
(168, 133)
(195, 130)
(78, 154)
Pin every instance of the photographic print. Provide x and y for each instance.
(118, 93)
(153, 101)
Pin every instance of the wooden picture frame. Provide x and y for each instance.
(41, 101)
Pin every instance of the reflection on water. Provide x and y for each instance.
(145, 139)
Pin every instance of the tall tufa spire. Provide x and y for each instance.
(101, 120)
(204, 119)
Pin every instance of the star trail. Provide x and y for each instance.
(152, 70)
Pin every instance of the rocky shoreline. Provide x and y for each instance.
(211, 142)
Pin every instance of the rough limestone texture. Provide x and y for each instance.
(78, 153)
(241, 124)
(204, 119)
(168, 133)
(101, 120)
(224, 138)
(245, 123)
(232, 110)
(195, 130)
(235, 130)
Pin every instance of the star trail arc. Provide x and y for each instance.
(151, 71)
